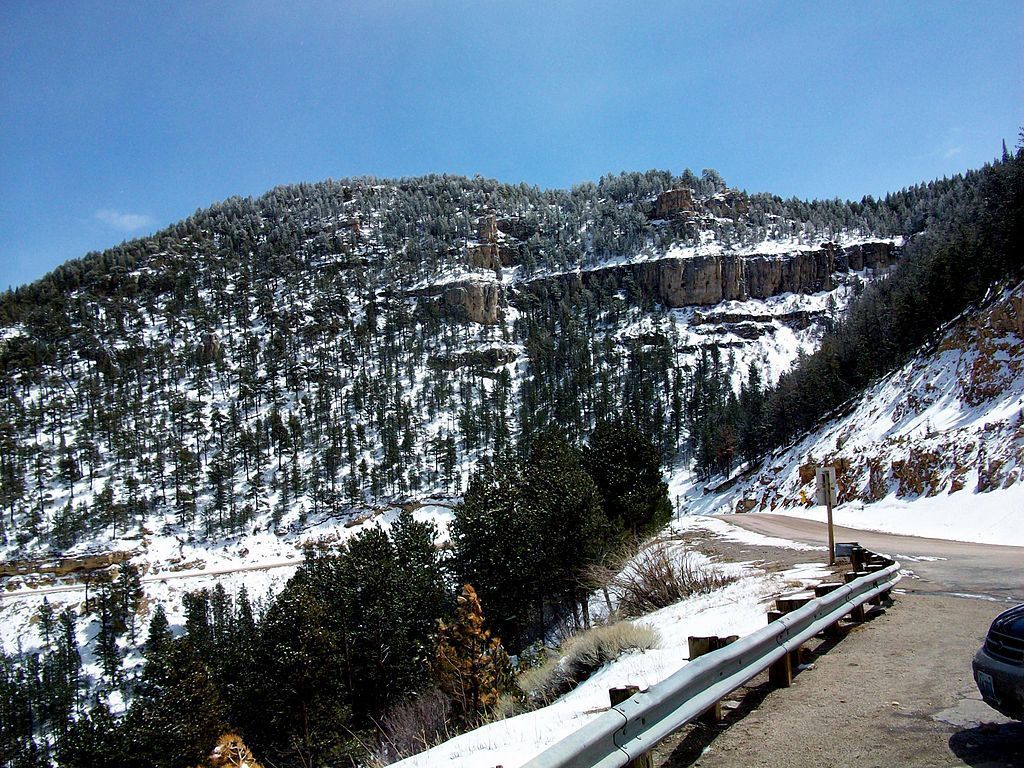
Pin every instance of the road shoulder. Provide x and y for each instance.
(896, 691)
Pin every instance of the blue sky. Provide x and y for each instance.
(119, 118)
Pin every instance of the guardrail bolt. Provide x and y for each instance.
(617, 696)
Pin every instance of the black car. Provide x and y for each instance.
(999, 664)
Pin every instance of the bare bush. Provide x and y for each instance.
(660, 576)
(582, 655)
(412, 727)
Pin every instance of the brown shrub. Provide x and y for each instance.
(660, 576)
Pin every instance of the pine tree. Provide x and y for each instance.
(95, 740)
(624, 465)
(572, 529)
(470, 665)
(303, 714)
(176, 715)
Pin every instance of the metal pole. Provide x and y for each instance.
(827, 478)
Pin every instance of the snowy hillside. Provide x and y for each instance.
(934, 449)
(329, 350)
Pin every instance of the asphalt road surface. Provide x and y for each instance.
(897, 690)
(960, 568)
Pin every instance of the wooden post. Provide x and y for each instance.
(831, 530)
(857, 614)
(780, 674)
(785, 604)
(857, 558)
(832, 632)
(698, 647)
(617, 696)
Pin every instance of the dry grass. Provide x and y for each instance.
(661, 575)
(580, 656)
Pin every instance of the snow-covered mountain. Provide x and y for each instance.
(191, 409)
(270, 364)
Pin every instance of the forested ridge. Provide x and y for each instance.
(274, 361)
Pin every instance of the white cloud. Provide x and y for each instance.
(953, 152)
(126, 222)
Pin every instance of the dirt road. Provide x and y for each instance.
(896, 691)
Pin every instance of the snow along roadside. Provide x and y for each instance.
(737, 609)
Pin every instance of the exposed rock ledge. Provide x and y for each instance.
(707, 280)
(477, 302)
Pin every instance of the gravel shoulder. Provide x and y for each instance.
(895, 691)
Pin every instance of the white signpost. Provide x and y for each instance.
(826, 492)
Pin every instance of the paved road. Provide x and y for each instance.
(897, 691)
(962, 568)
(219, 570)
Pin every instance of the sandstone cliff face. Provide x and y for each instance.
(868, 256)
(484, 256)
(494, 248)
(673, 202)
(705, 280)
(487, 228)
(517, 228)
(476, 302)
(802, 272)
(682, 282)
(209, 349)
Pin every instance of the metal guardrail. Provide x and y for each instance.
(632, 728)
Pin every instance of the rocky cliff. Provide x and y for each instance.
(475, 301)
(709, 279)
(673, 202)
(497, 243)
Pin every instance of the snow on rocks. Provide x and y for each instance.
(934, 449)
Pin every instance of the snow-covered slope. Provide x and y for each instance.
(934, 449)
(738, 608)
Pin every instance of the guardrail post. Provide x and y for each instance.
(617, 696)
(785, 604)
(857, 557)
(780, 673)
(832, 632)
(857, 614)
(698, 647)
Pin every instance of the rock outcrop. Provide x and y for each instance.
(709, 279)
(877, 255)
(517, 228)
(495, 247)
(209, 349)
(477, 302)
(484, 256)
(487, 228)
(705, 280)
(489, 358)
(673, 202)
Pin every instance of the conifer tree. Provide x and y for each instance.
(470, 665)
(624, 465)
(176, 715)
(95, 740)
